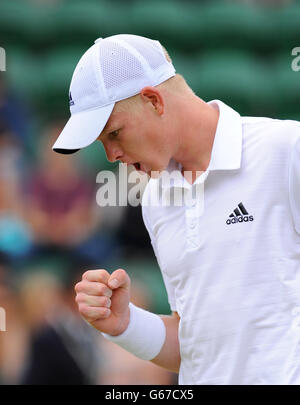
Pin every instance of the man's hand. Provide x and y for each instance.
(103, 300)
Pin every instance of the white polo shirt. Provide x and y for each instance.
(233, 272)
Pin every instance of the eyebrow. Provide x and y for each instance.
(106, 129)
(111, 127)
(108, 126)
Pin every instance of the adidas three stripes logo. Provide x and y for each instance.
(240, 214)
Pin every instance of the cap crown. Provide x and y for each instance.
(115, 68)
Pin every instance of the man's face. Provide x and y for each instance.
(138, 137)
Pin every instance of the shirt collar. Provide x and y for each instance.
(227, 147)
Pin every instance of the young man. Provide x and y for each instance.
(232, 267)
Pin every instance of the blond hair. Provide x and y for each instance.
(176, 84)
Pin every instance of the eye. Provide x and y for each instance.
(115, 133)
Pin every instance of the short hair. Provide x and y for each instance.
(175, 84)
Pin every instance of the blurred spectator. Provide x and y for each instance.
(59, 199)
(13, 112)
(62, 347)
(13, 340)
(61, 205)
(131, 233)
(15, 234)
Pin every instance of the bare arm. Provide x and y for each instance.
(169, 356)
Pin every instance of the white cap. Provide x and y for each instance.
(113, 69)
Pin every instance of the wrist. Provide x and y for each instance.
(123, 325)
(144, 336)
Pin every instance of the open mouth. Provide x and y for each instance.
(137, 166)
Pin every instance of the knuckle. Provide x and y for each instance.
(102, 289)
(105, 302)
(103, 312)
(103, 272)
(77, 287)
(90, 273)
(79, 297)
(83, 309)
(86, 274)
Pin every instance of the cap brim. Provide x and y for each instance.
(82, 129)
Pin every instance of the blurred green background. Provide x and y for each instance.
(237, 51)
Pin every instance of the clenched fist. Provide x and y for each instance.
(103, 300)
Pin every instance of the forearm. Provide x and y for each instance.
(151, 337)
(169, 356)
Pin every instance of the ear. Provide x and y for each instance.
(154, 96)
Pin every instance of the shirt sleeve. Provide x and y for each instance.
(294, 184)
(169, 287)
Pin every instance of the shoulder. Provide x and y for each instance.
(270, 125)
(272, 133)
(294, 183)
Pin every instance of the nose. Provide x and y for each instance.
(113, 152)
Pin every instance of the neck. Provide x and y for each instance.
(197, 133)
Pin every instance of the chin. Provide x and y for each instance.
(155, 171)
(154, 174)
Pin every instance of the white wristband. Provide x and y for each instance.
(144, 336)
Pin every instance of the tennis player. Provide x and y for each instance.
(231, 267)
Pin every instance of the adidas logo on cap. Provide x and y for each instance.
(239, 214)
